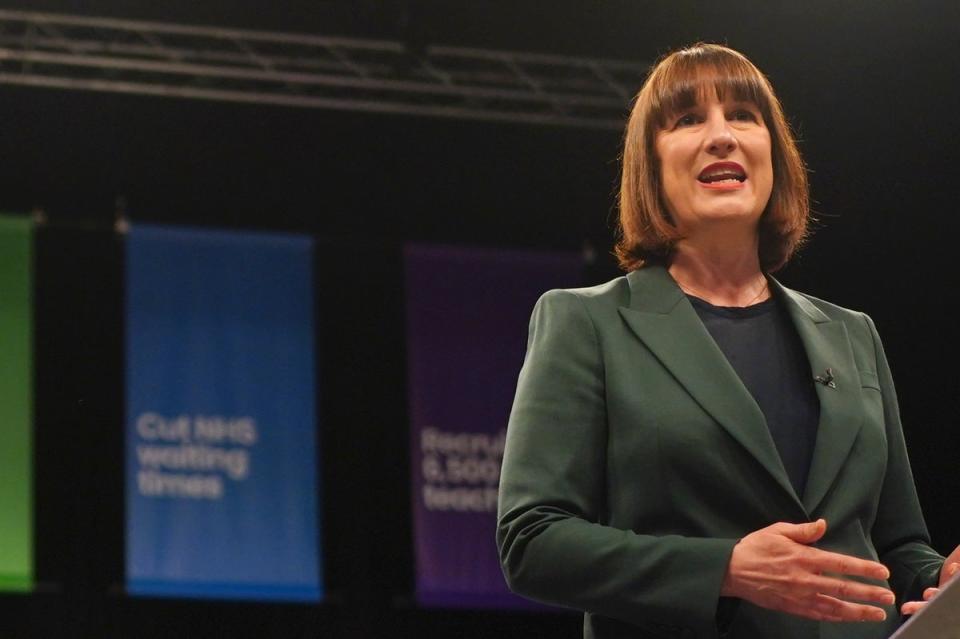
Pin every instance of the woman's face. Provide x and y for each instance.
(715, 164)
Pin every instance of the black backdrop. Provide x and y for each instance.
(870, 89)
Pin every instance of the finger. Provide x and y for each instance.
(802, 533)
(805, 609)
(912, 607)
(849, 590)
(846, 610)
(825, 561)
(948, 572)
(809, 612)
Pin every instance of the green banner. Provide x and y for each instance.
(16, 404)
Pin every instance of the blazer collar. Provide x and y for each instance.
(841, 403)
(662, 317)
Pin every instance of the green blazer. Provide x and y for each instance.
(636, 458)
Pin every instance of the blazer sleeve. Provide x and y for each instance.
(553, 546)
(899, 533)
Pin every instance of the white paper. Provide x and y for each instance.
(939, 619)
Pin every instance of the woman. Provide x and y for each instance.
(695, 450)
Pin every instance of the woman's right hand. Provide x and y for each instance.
(775, 568)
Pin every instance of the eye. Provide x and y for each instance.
(687, 119)
(744, 115)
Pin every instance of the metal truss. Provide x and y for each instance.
(299, 70)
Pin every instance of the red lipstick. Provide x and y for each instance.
(723, 176)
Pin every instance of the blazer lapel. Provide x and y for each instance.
(841, 416)
(663, 318)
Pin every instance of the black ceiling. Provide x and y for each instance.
(870, 88)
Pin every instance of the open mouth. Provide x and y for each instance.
(721, 172)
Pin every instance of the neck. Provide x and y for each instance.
(719, 275)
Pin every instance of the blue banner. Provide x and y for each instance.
(221, 455)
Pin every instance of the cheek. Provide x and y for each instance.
(672, 188)
(767, 176)
(764, 165)
(673, 167)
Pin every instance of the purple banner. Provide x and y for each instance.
(467, 315)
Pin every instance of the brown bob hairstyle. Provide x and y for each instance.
(647, 233)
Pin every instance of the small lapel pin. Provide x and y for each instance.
(826, 379)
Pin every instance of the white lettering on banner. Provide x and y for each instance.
(192, 457)
(479, 500)
(460, 471)
(152, 427)
(154, 484)
(235, 463)
(242, 431)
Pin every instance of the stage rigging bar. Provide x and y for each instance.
(301, 70)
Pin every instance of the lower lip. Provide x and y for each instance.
(730, 185)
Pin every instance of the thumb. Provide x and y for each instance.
(805, 533)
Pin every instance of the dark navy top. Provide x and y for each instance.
(762, 345)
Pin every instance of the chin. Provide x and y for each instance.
(732, 214)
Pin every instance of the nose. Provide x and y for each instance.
(720, 139)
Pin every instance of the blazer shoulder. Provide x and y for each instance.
(610, 295)
(859, 325)
(831, 310)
